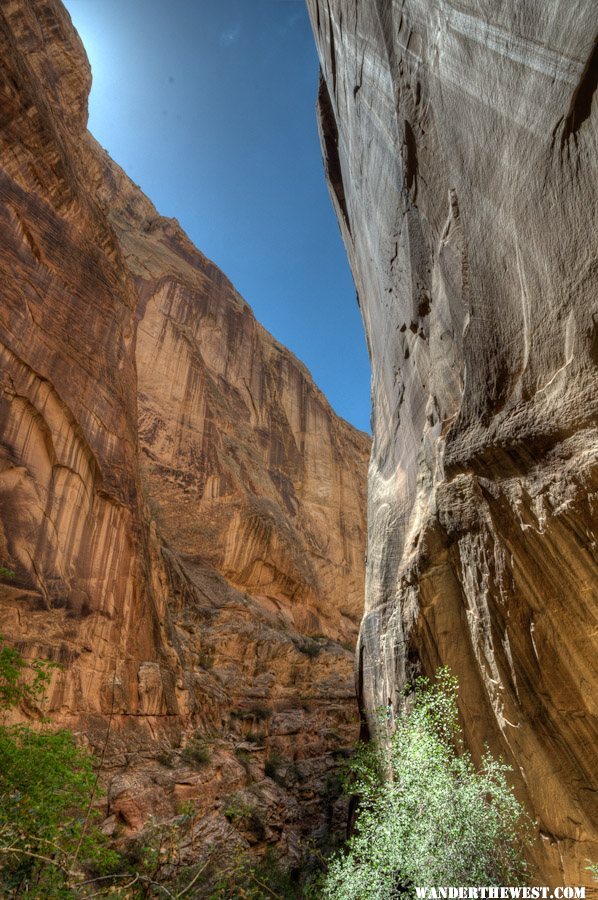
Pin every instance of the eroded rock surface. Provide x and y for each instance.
(184, 512)
(460, 141)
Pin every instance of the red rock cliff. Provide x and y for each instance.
(184, 512)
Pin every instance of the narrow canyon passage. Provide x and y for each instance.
(184, 525)
(183, 511)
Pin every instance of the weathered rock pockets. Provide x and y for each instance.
(460, 141)
(183, 510)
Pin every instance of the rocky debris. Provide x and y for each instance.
(460, 141)
(184, 512)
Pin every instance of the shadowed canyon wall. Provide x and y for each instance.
(460, 142)
(184, 512)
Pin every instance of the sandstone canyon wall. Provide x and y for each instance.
(184, 512)
(460, 142)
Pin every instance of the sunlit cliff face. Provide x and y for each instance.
(184, 511)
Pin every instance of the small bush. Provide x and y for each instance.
(196, 750)
(309, 647)
(244, 757)
(272, 767)
(206, 660)
(166, 759)
(257, 713)
(260, 713)
(241, 813)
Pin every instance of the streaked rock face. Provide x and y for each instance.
(460, 140)
(184, 512)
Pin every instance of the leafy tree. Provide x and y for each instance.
(46, 825)
(50, 842)
(426, 816)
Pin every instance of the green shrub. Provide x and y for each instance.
(206, 660)
(272, 767)
(50, 842)
(283, 772)
(48, 828)
(309, 647)
(260, 713)
(20, 681)
(257, 712)
(166, 758)
(244, 757)
(243, 814)
(196, 750)
(426, 816)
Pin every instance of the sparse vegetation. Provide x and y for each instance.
(244, 758)
(426, 815)
(272, 767)
(244, 814)
(257, 713)
(196, 750)
(166, 758)
(206, 660)
(308, 646)
(283, 772)
(262, 880)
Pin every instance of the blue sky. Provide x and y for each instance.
(209, 105)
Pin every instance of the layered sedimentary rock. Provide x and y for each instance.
(460, 141)
(184, 512)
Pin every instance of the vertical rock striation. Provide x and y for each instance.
(184, 512)
(460, 142)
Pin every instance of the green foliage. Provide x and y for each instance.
(284, 772)
(257, 712)
(196, 750)
(50, 842)
(7, 574)
(166, 758)
(206, 660)
(247, 879)
(426, 816)
(244, 814)
(309, 647)
(46, 827)
(272, 766)
(21, 682)
(244, 757)
(593, 870)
